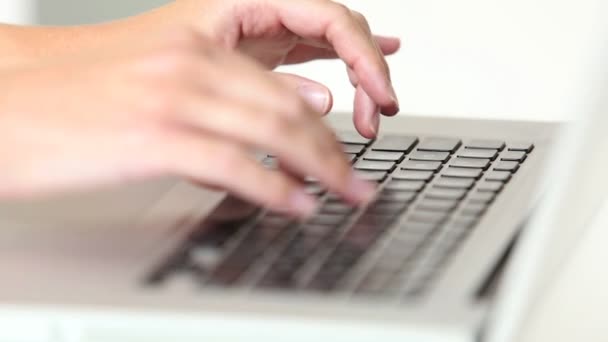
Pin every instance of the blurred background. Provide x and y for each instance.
(480, 58)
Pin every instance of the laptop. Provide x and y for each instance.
(449, 251)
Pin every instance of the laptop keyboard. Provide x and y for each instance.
(431, 194)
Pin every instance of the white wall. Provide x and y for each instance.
(17, 11)
(490, 58)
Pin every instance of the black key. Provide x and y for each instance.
(521, 146)
(498, 176)
(482, 197)
(352, 138)
(421, 165)
(454, 183)
(327, 220)
(477, 153)
(426, 217)
(437, 205)
(311, 229)
(490, 186)
(383, 155)
(470, 163)
(374, 165)
(440, 145)
(334, 198)
(353, 149)
(372, 176)
(509, 166)
(486, 144)
(337, 208)
(458, 172)
(430, 156)
(476, 209)
(413, 175)
(403, 185)
(395, 143)
(450, 194)
(517, 156)
(388, 208)
(397, 196)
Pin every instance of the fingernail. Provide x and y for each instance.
(361, 190)
(317, 97)
(303, 204)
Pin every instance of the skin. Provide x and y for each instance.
(188, 89)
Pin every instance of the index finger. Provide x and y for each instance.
(333, 23)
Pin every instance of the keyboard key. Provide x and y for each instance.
(509, 166)
(477, 153)
(437, 205)
(498, 176)
(426, 217)
(471, 163)
(422, 165)
(373, 165)
(313, 229)
(353, 149)
(372, 176)
(458, 172)
(397, 196)
(337, 208)
(327, 220)
(430, 156)
(395, 143)
(440, 145)
(315, 189)
(486, 144)
(454, 183)
(482, 197)
(387, 208)
(352, 138)
(404, 185)
(450, 194)
(383, 155)
(414, 175)
(517, 156)
(521, 146)
(490, 186)
(475, 209)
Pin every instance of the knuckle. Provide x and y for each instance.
(342, 11)
(275, 126)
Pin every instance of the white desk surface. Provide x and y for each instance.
(515, 59)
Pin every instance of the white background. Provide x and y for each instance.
(484, 58)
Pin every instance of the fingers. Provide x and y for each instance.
(223, 164)
(305, 52)
(367, 114)
(318, 96)
(345, 31)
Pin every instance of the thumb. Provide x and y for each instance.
(314, 93)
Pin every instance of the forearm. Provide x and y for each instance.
(31, 44)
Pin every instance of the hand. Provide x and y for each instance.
(279, 32)
(177, 105)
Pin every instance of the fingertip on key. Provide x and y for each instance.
(361, 191)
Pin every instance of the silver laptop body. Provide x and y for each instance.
(84, 267)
